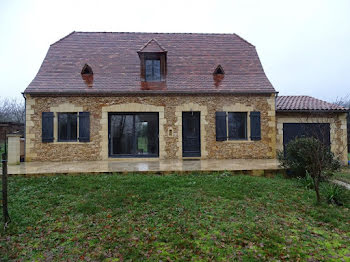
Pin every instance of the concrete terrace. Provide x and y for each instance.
(244, 166)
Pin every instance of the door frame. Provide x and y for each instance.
(199, 154)
(110, 155)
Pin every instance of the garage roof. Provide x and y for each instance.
(305, 103)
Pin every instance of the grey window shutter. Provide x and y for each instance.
(220, 122)
(84, 127)
(47, 126)
(255, 126)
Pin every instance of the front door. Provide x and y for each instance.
(191, 142)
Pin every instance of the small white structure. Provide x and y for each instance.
(14, 149)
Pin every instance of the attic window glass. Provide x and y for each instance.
(87, 70)
(152, 68)
(219, 70)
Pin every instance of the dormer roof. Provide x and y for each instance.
(152, 46)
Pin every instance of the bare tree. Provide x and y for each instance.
(12, 110)
(343, 101)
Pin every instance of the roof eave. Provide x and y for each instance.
(313, 111)
(159, 92)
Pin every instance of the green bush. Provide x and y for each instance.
(302, 153)
(333, 193)
(306, 181)
(309, 156)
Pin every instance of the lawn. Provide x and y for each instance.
(343, 175)
(171, 217)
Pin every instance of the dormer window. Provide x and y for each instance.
(153, 62)
(152, 69)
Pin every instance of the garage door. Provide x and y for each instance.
(319, 131)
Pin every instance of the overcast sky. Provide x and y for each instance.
(304, 45)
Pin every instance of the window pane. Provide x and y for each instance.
(152, 70)
(122, 134)
(149, 70)
(72, 128)
(237, 125)
(146, 134)
(67, 126)
(156, 70)
(62, 126)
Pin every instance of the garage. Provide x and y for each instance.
(305, 116)
(320, 131)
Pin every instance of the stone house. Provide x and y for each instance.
(104, 96)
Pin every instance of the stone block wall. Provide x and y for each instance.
(338, 129)
(169, 107)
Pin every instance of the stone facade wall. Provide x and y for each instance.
(169, 107)
(338, 129)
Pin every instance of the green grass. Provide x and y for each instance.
(343, 175)
(172, 217)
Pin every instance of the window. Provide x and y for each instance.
(152, 63)
(237, 125)
(152, 69)
(67, 127)
(133, 134)
(233, 126)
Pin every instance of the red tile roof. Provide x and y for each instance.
(113, 57)
(305, 103)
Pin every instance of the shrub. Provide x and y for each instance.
(300, 153)
(309, 155)
(306, 181)
(333, 193)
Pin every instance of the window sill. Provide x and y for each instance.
(239, 141)
(70, 143)
(154, 81)
(133, 159)
(134, 156)
(191, 158)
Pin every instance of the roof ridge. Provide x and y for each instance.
(63, 38)
(161, 33)
(168, 33)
